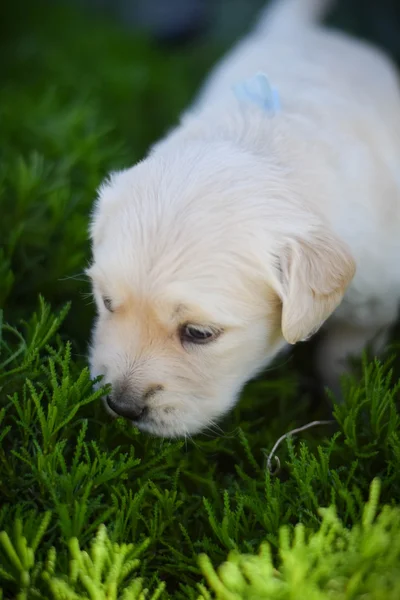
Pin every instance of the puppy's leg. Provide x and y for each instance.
(342, 341)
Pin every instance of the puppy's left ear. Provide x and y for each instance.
(314, 275)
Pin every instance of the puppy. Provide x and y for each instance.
(274, 205)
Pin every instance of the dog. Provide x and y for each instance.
(270, 210)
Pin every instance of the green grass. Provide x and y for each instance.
(92, 508)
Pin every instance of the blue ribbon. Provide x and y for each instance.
(258, 90)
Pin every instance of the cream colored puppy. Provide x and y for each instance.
(274, 205)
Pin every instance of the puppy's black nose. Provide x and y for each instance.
(130, 408)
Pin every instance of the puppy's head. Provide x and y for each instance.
(202, 270)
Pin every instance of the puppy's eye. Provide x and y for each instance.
(107, 303)
(197, 334)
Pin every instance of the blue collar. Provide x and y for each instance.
(259, 91)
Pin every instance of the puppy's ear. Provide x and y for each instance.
(314, 275)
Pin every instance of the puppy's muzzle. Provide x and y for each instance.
(132, 405)
(131, 409)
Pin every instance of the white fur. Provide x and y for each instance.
(254, 225)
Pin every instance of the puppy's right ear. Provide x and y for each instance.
(314, 275)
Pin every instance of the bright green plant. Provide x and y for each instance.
(333, 562)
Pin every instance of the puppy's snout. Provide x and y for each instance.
(129, 408)
(132, 405)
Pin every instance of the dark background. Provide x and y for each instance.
(224, 20)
